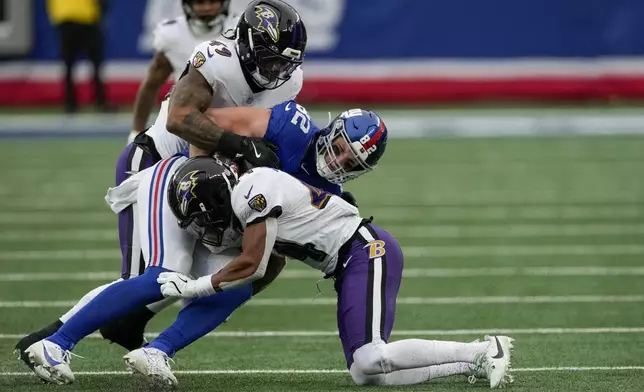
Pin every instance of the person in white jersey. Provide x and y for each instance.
(173, 42)
(257, 65)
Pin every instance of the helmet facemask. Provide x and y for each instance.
(269, 68)
(203, 24)
(338, 159)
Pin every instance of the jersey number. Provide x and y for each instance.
(301, 118)
(299, 252)
(220, 49)
(319, 198)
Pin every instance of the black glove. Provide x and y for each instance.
(255, 150)
(348, 197)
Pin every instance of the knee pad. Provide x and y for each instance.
(371, 359)
(128, 330)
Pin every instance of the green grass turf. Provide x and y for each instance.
(456, 194)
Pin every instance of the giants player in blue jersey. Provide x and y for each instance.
(350, 146)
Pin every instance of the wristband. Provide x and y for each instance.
(203, 287)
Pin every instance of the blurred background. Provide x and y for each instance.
(512, 178)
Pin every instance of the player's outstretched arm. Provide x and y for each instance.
(186, 119)
(244, 121)
(158, 72)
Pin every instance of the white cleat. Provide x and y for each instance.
(153, 364)
(51, 362)
(496, 361)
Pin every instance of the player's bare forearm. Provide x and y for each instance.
(275, 266)
(240, 268)
(158, 72)
(189, 100)
(246, 266)
(143, 106)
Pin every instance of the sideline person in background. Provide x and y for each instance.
(79, 28)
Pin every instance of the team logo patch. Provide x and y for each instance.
(198, 60)
(258, 203)
(376, 249)
(185, 191)
(268, 21)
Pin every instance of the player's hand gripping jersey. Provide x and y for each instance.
(312, 224)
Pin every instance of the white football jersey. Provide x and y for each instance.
(218, 62)
(176, 40)
(312, 225)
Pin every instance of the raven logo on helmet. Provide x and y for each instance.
(185, 190)
(268, 21)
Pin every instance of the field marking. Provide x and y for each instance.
(409, 251)
(329, 371)
(400, 301)
(295, 273)
(409, 231)
(99, 214)
(430, 332)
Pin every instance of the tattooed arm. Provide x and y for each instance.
(189, 100)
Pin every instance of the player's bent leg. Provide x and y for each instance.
(193, 322)
(367, 287)
(49, 330)
(115, 301)
(128, 331)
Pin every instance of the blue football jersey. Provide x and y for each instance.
(291, 129)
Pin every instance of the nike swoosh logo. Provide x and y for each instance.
(131, 172)
(287, 107)
(344, 265)
(499, 349)
(248, 194)
(181, 279)
(48, 358)
(257, 155)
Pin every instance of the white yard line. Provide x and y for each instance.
(327, 301)
(437, 332)
(409, 251)
(329, 371)
(297, 273)
(414, 231)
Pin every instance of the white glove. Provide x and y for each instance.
(132, 135)
(174, 284)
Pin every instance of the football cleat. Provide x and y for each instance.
(20, 351)
(495, 362)
(153, 364)
(51, 361)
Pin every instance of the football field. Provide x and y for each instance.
(541, 239)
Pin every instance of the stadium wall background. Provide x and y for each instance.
(395, 51)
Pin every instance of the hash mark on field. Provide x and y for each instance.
(327, 371)
(407, 273)
(437, 332)
(399, 301)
